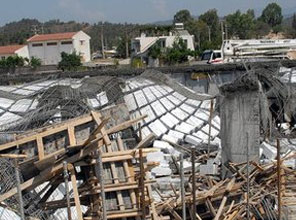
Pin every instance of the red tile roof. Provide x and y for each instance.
(10, 49)
(47, 37)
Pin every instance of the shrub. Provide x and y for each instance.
(69, 61)
(35, 62)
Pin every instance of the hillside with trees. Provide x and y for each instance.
(207, 28)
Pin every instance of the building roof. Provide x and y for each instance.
(47, 37)
(10, 49)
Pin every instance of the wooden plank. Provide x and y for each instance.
(40, 148)
(75, 193)
(13, 156)
(71, 134)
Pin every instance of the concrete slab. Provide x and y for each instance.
(174, 100)
(190, 110)
(169, 120)
(21, 105)
(130, 102)
(150, 96)
(158, 128)
(158, 108)
(6, 103)
(170, 139)
(176, 134)
(179, 113)
(167, 103)
(192, 140)
(179, 96)
(140, 98)
(196, 122)
(147, 110)
(192, 102)
(185, 128)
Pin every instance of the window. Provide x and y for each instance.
(37, 45)
(82, 42)
(52, 44)
(66, 42)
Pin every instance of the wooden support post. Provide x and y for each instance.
(193, 184)
(279, 182)
(66, 179)
(71, 134)
(18, 182)
(75, 192)
(142, 185)
(102, 184)
(210, 126)
(40, 148)
(182, 186)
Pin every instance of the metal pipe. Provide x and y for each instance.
(66, 179)
(19, 190)
(182, 186)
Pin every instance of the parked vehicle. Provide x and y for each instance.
(238, 50)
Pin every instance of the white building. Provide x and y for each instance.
(48, 47)
(141, 45)
(12, 50)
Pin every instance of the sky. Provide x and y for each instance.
(120, 11)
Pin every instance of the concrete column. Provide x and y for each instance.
(240, 117)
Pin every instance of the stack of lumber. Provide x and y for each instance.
(228, 199)
(71, 153)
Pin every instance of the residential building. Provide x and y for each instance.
(141, 45)
(48, 47)
(12, 50)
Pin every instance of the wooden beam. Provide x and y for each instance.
(13, 156)
(75, 192)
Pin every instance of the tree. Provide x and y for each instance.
(35, 62)
(294, 22)
(178, 53)
(212, 20)
(240, 24)
(69, 61)
(183, 16)
(272, 14)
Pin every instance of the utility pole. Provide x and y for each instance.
(126, 44)
(226, 31)
(209, 28)
(102, 40)
(222, 30)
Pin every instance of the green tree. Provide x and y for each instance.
(211, 18)
(272, 14)
(240, 24)
(294, 22)
(69, 61)
(178, 53)
(183, 16)
(260, 29)
(155, 51)
(35, 62)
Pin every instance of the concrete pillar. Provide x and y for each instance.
(240, 117)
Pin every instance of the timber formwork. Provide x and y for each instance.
(80, 143)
